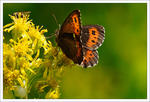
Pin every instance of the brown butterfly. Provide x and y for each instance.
(80, 43)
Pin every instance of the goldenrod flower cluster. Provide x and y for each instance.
(30, 63)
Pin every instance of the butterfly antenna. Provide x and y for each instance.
(53, 34)
(55, 20)
(50, 36)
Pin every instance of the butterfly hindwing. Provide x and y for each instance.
(90, 58)
(92, 36)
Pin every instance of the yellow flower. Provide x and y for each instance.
(11, 78)
(18, 54)
(53, 94)
(22, 47)
(11, 74)
(36, 62)
(47, 47)
(22, 27)
(9, 58)
(20, 24)
(25, 65)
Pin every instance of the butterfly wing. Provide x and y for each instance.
(92, 36)
(90, 58)
(72, 24)
(72, 49)
(70, 44)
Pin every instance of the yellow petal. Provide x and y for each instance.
(45, 73)
(37, 55)
(20, 81)
(7, 25)
(34, 44)
(31, 70)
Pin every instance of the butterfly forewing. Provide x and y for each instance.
(72, 24)
(69, 37)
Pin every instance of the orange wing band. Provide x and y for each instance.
(93, 37)
(76, 24)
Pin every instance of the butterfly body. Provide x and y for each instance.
(80, 43)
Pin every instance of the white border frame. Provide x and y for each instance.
(74, 100)
(1, 51)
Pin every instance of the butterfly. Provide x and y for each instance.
(80, 43)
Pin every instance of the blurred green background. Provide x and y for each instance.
(122, 69)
